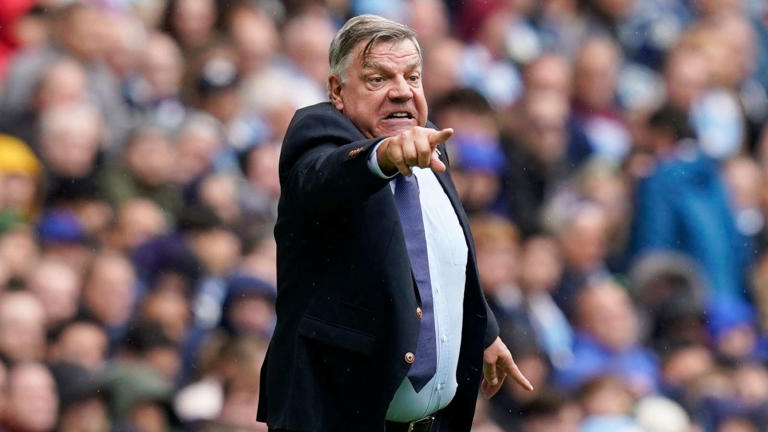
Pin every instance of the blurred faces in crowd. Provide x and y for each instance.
(606, 312)
(191, 22)
(161, 65)
(441, 64)
(58, 287)
(549, 412)
(498, 251)
(19, 252)
(31, 398)
(605, 396)
(220, 193)
(595, 74)
(70, 139)
(65, 82)
(197, 143)
(82, 29)
(549, 72)
(478, 157)
(305, 40)
(22, 327)
(255, 38)
(80, 342)
(540, 264)
(216, 85)
(686, 74)
(262, 169)
(583, 237)
(545, 116)
(429, 19)
(126, 37)
(137, 221)
(607, 341)
(217, 248)
(109, 292)
(149, 157)
(170, 309)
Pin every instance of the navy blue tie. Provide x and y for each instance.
(409, 208)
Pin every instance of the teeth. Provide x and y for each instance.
(400, 115)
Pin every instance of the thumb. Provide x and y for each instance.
(440, 137)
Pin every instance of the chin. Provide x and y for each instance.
(391, 130)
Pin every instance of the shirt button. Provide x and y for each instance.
(409, 357)
(444, 338)
(419, 313)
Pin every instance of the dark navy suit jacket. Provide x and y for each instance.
(346, 303)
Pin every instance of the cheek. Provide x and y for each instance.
(421, 106)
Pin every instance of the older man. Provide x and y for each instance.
(382, 325)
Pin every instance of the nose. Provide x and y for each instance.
(400, 91)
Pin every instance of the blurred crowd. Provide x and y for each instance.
(612, 155)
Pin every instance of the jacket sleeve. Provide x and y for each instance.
(324, 164)
(491, 327)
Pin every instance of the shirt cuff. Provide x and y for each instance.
(373, 163)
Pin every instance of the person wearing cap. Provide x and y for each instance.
(217, 88)
(19, 181)
(381, 321)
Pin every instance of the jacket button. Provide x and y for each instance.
(419, 313)
(409, 357)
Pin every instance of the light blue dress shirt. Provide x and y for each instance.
(447, 254)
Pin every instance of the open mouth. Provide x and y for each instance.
(399, 115)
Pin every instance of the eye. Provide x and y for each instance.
(376, 79)
(414, 77)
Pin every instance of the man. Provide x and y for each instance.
(382, 325)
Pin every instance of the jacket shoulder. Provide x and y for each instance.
(316, 125)
(319, 119)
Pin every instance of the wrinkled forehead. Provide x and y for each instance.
(400, 51)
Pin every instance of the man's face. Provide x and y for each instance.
(83, 344)
(382, 94)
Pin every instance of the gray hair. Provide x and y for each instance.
(368, 27)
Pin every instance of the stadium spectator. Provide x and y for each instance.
(22, 327)
(80, 342)
(607, 342)
(596, 109)
(31, 399)
(57, 286)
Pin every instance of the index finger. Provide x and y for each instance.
(518, 376)
(440, 137)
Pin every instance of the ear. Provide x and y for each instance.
(334, 86)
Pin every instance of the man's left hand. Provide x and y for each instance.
(497, 364)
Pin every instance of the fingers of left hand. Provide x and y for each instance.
(521, 379)
(511, 369)
(489, 388)
(490, 373)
